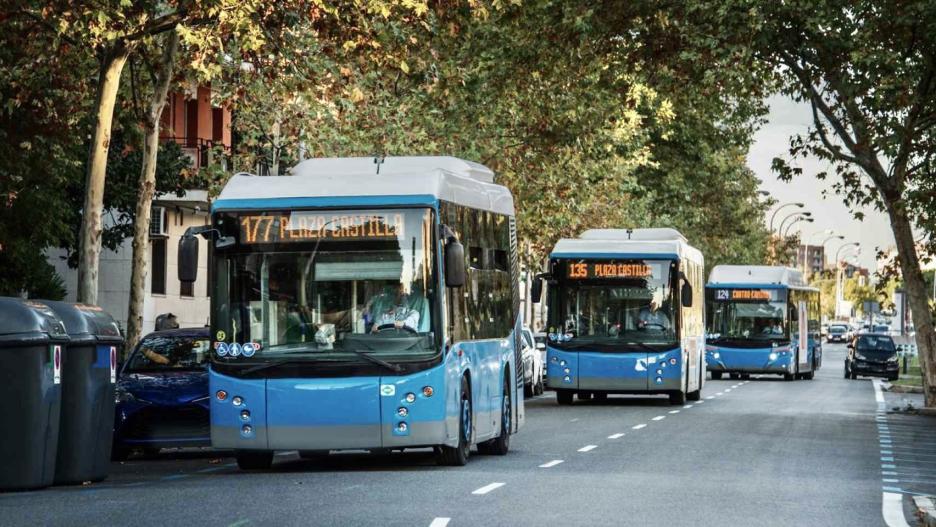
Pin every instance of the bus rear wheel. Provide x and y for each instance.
(249, 460)
(457, 456)
(500, 445)
(716, 375)
(677, 397)
(564, 397)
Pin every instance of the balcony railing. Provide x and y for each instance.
(204, 152)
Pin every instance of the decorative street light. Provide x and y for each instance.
(805, 218)
(839, 286)
(781, 207)
(794, 215)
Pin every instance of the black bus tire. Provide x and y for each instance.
(500, 445)
(457, 456)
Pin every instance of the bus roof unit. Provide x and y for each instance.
(356, 181)
(752, 275)
(627, 243)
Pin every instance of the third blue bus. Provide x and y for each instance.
(762, 319)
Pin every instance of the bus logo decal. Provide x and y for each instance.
(387, 390)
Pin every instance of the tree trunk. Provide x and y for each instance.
(915, 286)
(89, 250)
(147, 189)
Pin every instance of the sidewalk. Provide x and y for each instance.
(910, 462)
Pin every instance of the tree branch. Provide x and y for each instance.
(899, 168)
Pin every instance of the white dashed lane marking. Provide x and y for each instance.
(638, 427)
(616, 436)
(659, 418)
(688, 406)
(674, 411)
(488, 488)
(551, 463)
(588, 448)
(440, 522)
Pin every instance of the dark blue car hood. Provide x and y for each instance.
(166, 388)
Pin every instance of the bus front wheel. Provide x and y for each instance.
(457, 456)
(247, 460)
(716, 375)
(564, 397)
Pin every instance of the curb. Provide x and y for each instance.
(926, 510)
(926, 411)
(896, 388)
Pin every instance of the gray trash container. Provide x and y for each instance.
(32, 346)
(87, 424)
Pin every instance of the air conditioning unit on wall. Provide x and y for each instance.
(159, 223)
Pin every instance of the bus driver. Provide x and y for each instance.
(650, 317)
(397, 309)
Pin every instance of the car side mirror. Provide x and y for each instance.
(685, 294)
(455, 273)
(188, 258)
(536, 290)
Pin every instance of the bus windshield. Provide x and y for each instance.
(614, 305)
(747, 314)
(327, 285)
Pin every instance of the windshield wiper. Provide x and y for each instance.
(390, 366)
(274, 364)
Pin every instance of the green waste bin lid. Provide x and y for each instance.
(29, 319)
(85, 322)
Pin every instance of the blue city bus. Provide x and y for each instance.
(625, 315)
(762, 319)
(362, 304)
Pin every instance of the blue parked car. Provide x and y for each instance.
(162, 394)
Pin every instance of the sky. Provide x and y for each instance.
(787, 118)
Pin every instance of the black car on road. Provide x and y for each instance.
(873, 355)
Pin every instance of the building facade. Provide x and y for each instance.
(810, 259)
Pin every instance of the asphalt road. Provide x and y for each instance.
(762, 452)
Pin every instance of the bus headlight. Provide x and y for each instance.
(772, 356)
(401, 427)
(567, 371)
(562, 363)
(402, 412)
(716, 355)
(411, 397)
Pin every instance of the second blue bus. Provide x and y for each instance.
(625, 315)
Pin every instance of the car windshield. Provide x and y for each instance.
(325, 286)
(160, 352)
(836, 329)
(633, 306)
(880, 343)
(882, 329)
(747, 314)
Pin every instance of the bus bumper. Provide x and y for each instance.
(347, 413)
(619, 372)
(757, 360)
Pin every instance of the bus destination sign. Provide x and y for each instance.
(306, 226)
(600, 270)
(751, 294)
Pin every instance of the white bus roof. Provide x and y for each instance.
(756, 275)
(355, 181)
(627, 243)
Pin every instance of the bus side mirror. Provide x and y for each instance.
(536, 290)
(455, 272)
(685, 294)
(188, 258)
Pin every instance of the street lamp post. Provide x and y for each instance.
(839, 286)
(781, 207)
(796, 214)
(789, 228)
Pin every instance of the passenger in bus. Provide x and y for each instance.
(395, 307)
(651, 317)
